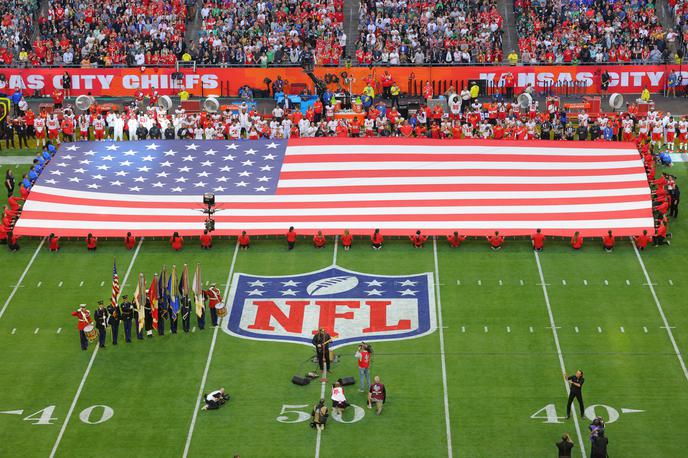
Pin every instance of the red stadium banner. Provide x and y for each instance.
(625, 79)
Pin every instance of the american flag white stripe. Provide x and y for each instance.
(397, 185)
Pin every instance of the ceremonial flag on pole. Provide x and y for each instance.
(173, 295)
(115, 285)
(184, 283)
(162, 292)
(140, 299)
(198, 291)
(153, 298)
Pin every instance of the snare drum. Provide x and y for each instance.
(91, 333)
(221, 310)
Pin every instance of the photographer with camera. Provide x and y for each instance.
(215, 400)
(319, 415)
(363, 358)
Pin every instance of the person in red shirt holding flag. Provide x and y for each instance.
(608, 241)
(291, 238)
(84, 319)
(176, 241)
(53, 242)
(577, 241)
(319, 240)
(129, 241)
(538, 240)
(418, 240)
(495, 241)
(455, 239)
(244, 241)
(347, 239)
(91, 242)
(206, 240)
(642, 240)
(376, 240)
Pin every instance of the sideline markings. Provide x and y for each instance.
(530, 328)
(576, 329)
(485, 328)
(21, 278)
(661, 313)
(210, 357)
(81, 284)
(645, 329)
(521, 282)
(599, 329)
(450, 452)
(13, 331)
(36, 331)
(585, 282)
(558, 345)
(563, 282)
(628, 283)
(59, 285)
(508, 329)
(671, 283)
(102, 283)
(90, 363)
(463, 328)
(59, 330)
(622, 329)
(479, 283)
(38, 285)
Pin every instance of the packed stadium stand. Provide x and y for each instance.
(88, 33)
(589, 31)
(16, 30)
(453, 32)
(249, 33)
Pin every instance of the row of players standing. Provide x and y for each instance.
(127, 314)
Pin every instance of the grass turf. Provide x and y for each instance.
(501, 359)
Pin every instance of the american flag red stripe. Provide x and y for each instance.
(397, 185)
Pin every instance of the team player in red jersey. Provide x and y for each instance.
(129, 241)
(608, 241)
(418, 240)
(53, 242)
(319, 240)
(206, 240)
(496, 241)
(455, 239)
(244, 241)
(376, 240)
(577, 241)
(39, 128)
(538, 240)
(642, 240)
(347, 239)
(291, 238)
(176, 241)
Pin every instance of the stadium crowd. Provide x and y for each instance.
(16, 29)
(570, 31)
(117, 32)
(450, 32)
(281, 32)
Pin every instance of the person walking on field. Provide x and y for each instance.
(575, 392)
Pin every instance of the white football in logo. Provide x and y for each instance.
(332, 285)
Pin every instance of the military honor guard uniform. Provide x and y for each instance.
(148, 318)
(101, 319)
(127, 316)
(174, 319)
(186, 314)
(84, 319)
(162, 315)
(115, 316)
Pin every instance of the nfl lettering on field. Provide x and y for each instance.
(351, 306)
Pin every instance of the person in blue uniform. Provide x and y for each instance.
(163, 313)
(174, 319)
(185, 310)
(101, 319)
(115, 316)
(127, 316)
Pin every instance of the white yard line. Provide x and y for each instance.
(16, 287)
(318, 435)
(558, 345)
(210, 358)
(90, 365)
(438, 299)
(661, 313)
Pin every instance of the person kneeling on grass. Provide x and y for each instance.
(339, 402)
(215, 400)
(319, 415)
(377, 394)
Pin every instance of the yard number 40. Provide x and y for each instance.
(549, 413)
(45, 415)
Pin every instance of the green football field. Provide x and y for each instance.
(487, 383)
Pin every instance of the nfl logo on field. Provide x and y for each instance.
(350, 306)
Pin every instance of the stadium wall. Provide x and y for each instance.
(626, 79)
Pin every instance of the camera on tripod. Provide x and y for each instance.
(209, 211)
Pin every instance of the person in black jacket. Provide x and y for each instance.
(564, 446)
(575, 392)
(9, 182)
(599, 445)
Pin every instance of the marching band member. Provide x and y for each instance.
(214, 298)
(84, 319)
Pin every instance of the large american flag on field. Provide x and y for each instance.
(397, 185)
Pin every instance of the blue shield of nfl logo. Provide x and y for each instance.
(350, 306)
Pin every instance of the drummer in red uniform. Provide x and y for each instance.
(84, 319)
(214, 298)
